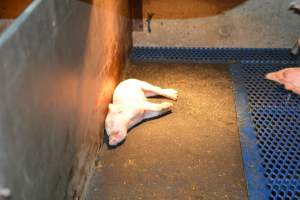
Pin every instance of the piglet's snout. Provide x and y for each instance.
(115, 139)
(116, 126)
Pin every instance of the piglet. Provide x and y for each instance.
(289, 77)
(130, 107)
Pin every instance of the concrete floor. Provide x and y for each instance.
(250, 23)
(192, 153)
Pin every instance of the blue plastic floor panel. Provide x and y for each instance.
(213, 55)
(268, 115)
(269, 122)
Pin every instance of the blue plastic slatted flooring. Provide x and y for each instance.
(272, 167)
(268, 115)
(212, 55)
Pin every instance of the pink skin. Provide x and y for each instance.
(289, 77)
(130, 107)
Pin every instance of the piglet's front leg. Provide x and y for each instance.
(169, 93)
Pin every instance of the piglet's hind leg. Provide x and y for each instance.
(154, 110)
(151, 90)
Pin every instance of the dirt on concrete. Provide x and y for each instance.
(192, 153)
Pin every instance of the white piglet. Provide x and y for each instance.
(130, 107)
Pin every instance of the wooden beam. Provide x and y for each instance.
(10, 9)
(137, 14)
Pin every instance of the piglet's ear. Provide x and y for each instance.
(112, 107)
